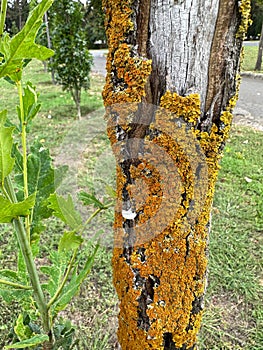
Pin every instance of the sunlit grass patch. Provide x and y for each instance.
(250, 58)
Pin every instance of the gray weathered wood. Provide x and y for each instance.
(181, 34)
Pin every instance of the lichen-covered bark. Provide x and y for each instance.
(169, 92)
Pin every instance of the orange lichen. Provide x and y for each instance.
(131, 72)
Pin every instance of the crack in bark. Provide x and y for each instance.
(145, 299)
(197, 305)
(169, 344)
(168, 341)
(143, 26)
(221, 80)
(187, 246)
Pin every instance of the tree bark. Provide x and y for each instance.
(260, 51)
(171, 85)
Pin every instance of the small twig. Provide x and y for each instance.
(95, 214)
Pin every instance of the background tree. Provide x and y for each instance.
(254, 29)
(94, 17)
(72, 60)
(170, 89)
(260, 51)
(258, 19)
(17, 13)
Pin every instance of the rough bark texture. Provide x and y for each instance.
(181, 34)
(171, 85)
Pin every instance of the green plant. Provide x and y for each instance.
(28, 184)
(72, 60)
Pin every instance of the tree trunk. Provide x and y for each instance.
(171, 85)
(19, 4)
(76, 94)
(260, 51)
(45, 67)
(49, 45)
(78, 109)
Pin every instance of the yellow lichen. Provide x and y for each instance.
(244, 9)
(187, 107)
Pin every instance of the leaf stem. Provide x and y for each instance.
(24, 151)
(23, 137)
(2, 16)
(95, 214)
(15, 285)
(29, 261)
(60, 288)
(70, 266)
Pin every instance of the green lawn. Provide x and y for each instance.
(233, 316)
(58, 110)
(250, 58)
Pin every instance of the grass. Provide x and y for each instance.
(233, 317)
(58, 110)
(250, 58)
(234, 314)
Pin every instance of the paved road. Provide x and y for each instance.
(251, 43)
(249, 109)
(99, 60)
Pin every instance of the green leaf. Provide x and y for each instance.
(10, 211)
(69, 241)
(21, 268)
(43, 180)
(55, 271)
(30, 105)
(89, 199)
(6, 144)
(21, 296)
(13, 278)
(22, 45)
(64, 334)
(22, 331)
(72, 288)
(110, 191)
(36, 340)
(64, 210)
(10, 275)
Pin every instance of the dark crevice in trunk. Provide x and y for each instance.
(157, 81)
(224, 64)
(187, 246)
(146, 298)
(141, 253)
(168, 341)
(143, 15)
(197, 305)
(169, 344)
(156, 86)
